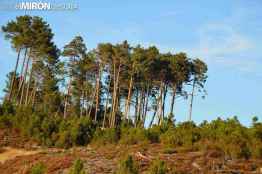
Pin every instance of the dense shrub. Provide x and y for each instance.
(50, 130)
(106, 136)
(153, 134)
(228, 136)
(7, 108)
(75, 132)
(133, 136)
(6, 121)
(82, 130)
(184, 134)
(78, 167)
(127, 166)
(158, 167)
(38, 169)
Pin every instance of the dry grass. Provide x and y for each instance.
(8, 153)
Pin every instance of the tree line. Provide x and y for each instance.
(109, 84)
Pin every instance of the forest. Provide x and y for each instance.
(112, 94)
(103, 84)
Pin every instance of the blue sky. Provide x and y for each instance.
(227, 35)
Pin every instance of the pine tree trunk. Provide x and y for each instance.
(191, 101)
(21, 76)
(67, 98)
(136, 106)
(160, 104)
(104, 119)
(107, 101)
(97, 92)
(86, 96)
(153, 118)
(14, 76)
(24, 81)
(22, 68)
(173, 101)
(146, 105)
(81, 102)
(113, 94)
(128, 98)
(34, 94)
(115, 98)
(143, 104)
(91, 106)
(164, 101)
(28, 86)
(139, 109)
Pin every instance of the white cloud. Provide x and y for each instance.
(218, 40)
(221, 44)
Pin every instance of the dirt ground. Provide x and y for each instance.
(98, 160)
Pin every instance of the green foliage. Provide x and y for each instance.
(76, 131)
(78, 167)
(6, 121)
(153, 133)
(7, 108)
(38, 169)
(228, 137)
(127, 166)
(184, 134)
(158, 167)
(106, 136)
(82, 130)
(51, 131)
(131, 136)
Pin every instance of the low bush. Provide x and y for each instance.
(78, 167)
(158, 167)
(184, 134)
(6, 121)
(38, 169)
(82, 130)
(106, 136)
(229, 136)
(127, 166)
(132, 136)
(153, 134)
